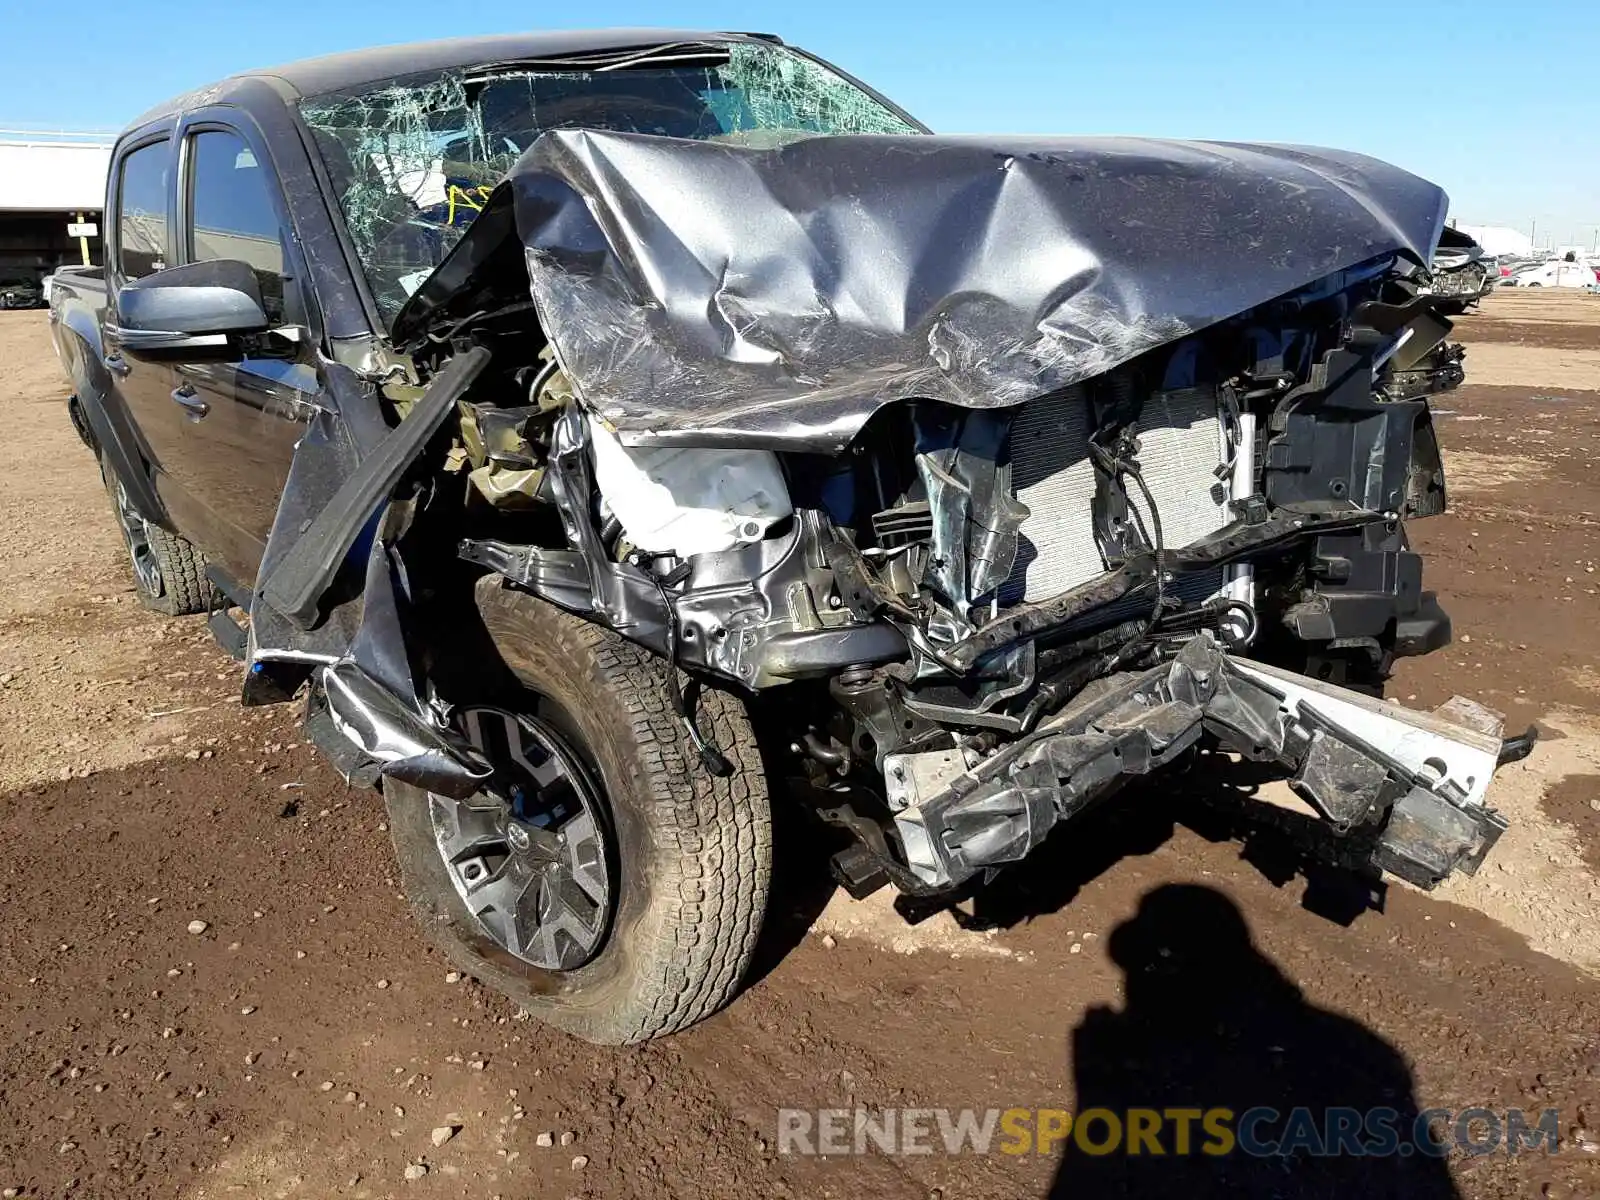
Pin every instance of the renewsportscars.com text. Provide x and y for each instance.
(1260, 1132)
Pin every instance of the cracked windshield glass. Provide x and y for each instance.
(413, 159)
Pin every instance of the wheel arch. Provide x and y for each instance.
(110, 432)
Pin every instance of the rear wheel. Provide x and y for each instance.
(169, 574)
(613, 887)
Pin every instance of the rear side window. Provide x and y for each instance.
(231, 211)
(142, 211)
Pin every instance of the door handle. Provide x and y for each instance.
(116, 364)
(189, 400)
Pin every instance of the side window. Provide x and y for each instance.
(142, 211)
(231, 212)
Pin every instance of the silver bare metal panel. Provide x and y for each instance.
(1181, 445)
(716, 294)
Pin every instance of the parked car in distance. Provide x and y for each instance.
(1557, 273)
(23, 292)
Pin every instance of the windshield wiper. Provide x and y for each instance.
(707, 53)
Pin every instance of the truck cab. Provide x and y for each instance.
(216, 417)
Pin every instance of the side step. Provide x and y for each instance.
(231, 636)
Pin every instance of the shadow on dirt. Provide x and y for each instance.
(801, 884)
(1209, 1023)
(1215, 799)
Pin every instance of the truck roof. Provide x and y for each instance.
(335, 72)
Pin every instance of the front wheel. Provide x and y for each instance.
(613, 887)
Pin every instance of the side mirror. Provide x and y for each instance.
(196, 305)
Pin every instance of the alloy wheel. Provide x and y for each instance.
(531, 858)
(136, 533)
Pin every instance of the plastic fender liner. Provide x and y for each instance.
(309, 567)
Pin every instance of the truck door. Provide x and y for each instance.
(140, 246)
(250, 406)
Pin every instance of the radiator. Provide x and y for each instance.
(1181, 446)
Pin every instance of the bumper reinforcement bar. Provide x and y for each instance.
(1412, 782)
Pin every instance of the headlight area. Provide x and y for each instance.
(700, 554)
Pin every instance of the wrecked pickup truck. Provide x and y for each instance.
(595, 430)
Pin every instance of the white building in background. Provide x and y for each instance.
(52, 188)
(1498, 240)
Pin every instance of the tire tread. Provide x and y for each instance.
(185, 590)
(713, 889)
(183, 573)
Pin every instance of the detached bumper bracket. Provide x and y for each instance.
(1415, 781)
(1515, 749)
(1428, 837)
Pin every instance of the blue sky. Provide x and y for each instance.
(1498, 102)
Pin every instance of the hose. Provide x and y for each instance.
(684, 699)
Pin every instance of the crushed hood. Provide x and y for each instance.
(716, 294)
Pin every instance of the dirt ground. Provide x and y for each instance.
(307, 1042)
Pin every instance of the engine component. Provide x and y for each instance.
(505, 468)
(1181, 445)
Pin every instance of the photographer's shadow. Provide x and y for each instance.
(1209, 1023)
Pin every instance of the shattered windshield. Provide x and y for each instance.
(413, 159)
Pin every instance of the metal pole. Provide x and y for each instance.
(83, 243)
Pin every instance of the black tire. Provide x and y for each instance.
(693, 852)
(173, 577)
